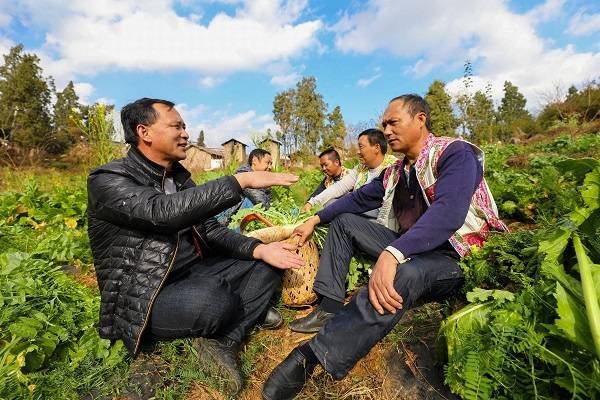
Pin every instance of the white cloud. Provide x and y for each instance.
(367, 81)
(502, 44)
(5, 13)
(285, 80)
(5, 20)
(222, 125)
(5, 46)
(105, 100)
(84, 90)
(546, 11)
(210, 82)
(283, 74)
(87, 37)
(240, 126)
(584, 24)
(191, 113)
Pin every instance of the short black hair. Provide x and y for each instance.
(375, 136)
(332, 153)
(415, 104)
(140, 112)
(258, 154)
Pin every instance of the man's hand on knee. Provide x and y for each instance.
(382, 294)
(279, 254)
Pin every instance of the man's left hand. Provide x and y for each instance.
(382, 294)
(279, 254)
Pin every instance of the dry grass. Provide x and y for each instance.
(392, 370)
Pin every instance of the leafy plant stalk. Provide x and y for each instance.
(589, 292)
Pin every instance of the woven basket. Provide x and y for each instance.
(297, 284)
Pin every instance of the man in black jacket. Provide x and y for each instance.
(165, 266)
(331, 165)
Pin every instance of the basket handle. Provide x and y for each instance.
(253, 217)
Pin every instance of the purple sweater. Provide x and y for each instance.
(459, 175)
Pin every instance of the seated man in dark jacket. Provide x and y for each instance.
(165, 267)
(258, 160)
(434, 205)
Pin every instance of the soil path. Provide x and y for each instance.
(394, 369)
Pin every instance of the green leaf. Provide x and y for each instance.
(466, 320)
(11, 261)
(591, 189)
(554, 246)
(590, 296)
(479, 295)
(578, 167)
(557, 272)
(25, 327)
(572, 320)
(116, 354)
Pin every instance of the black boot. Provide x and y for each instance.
(312, 322)
(288, 378)
(272, 320)
(219, 357)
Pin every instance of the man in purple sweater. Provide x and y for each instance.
(415, 260)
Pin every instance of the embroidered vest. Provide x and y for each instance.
(482, 215)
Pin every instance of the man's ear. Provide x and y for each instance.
(144, 133)
(422, 117)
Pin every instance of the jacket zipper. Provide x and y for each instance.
(139, 338)
(201, 238)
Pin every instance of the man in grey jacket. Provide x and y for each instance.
(258, 160)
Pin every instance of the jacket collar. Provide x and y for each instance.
(157, 172)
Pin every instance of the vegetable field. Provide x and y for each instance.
(526, 326)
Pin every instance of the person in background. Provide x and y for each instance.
(258, 160)
(372, 148)
(331, 165)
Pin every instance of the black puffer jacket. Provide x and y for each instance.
(134, 233)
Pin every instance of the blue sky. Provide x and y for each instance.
(222, 62)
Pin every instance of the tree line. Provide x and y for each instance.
(34, 115)
(305, 126)
(473, 115)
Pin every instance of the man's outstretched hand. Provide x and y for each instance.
(382, 294)
(264, 179)
(279, 254)
(306, 207)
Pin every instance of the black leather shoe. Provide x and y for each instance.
(273, 319)
(219, 358)
(312, 322)
(288, 378)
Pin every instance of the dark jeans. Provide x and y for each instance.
(348, 234)
(217, 297)
(353, 331)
